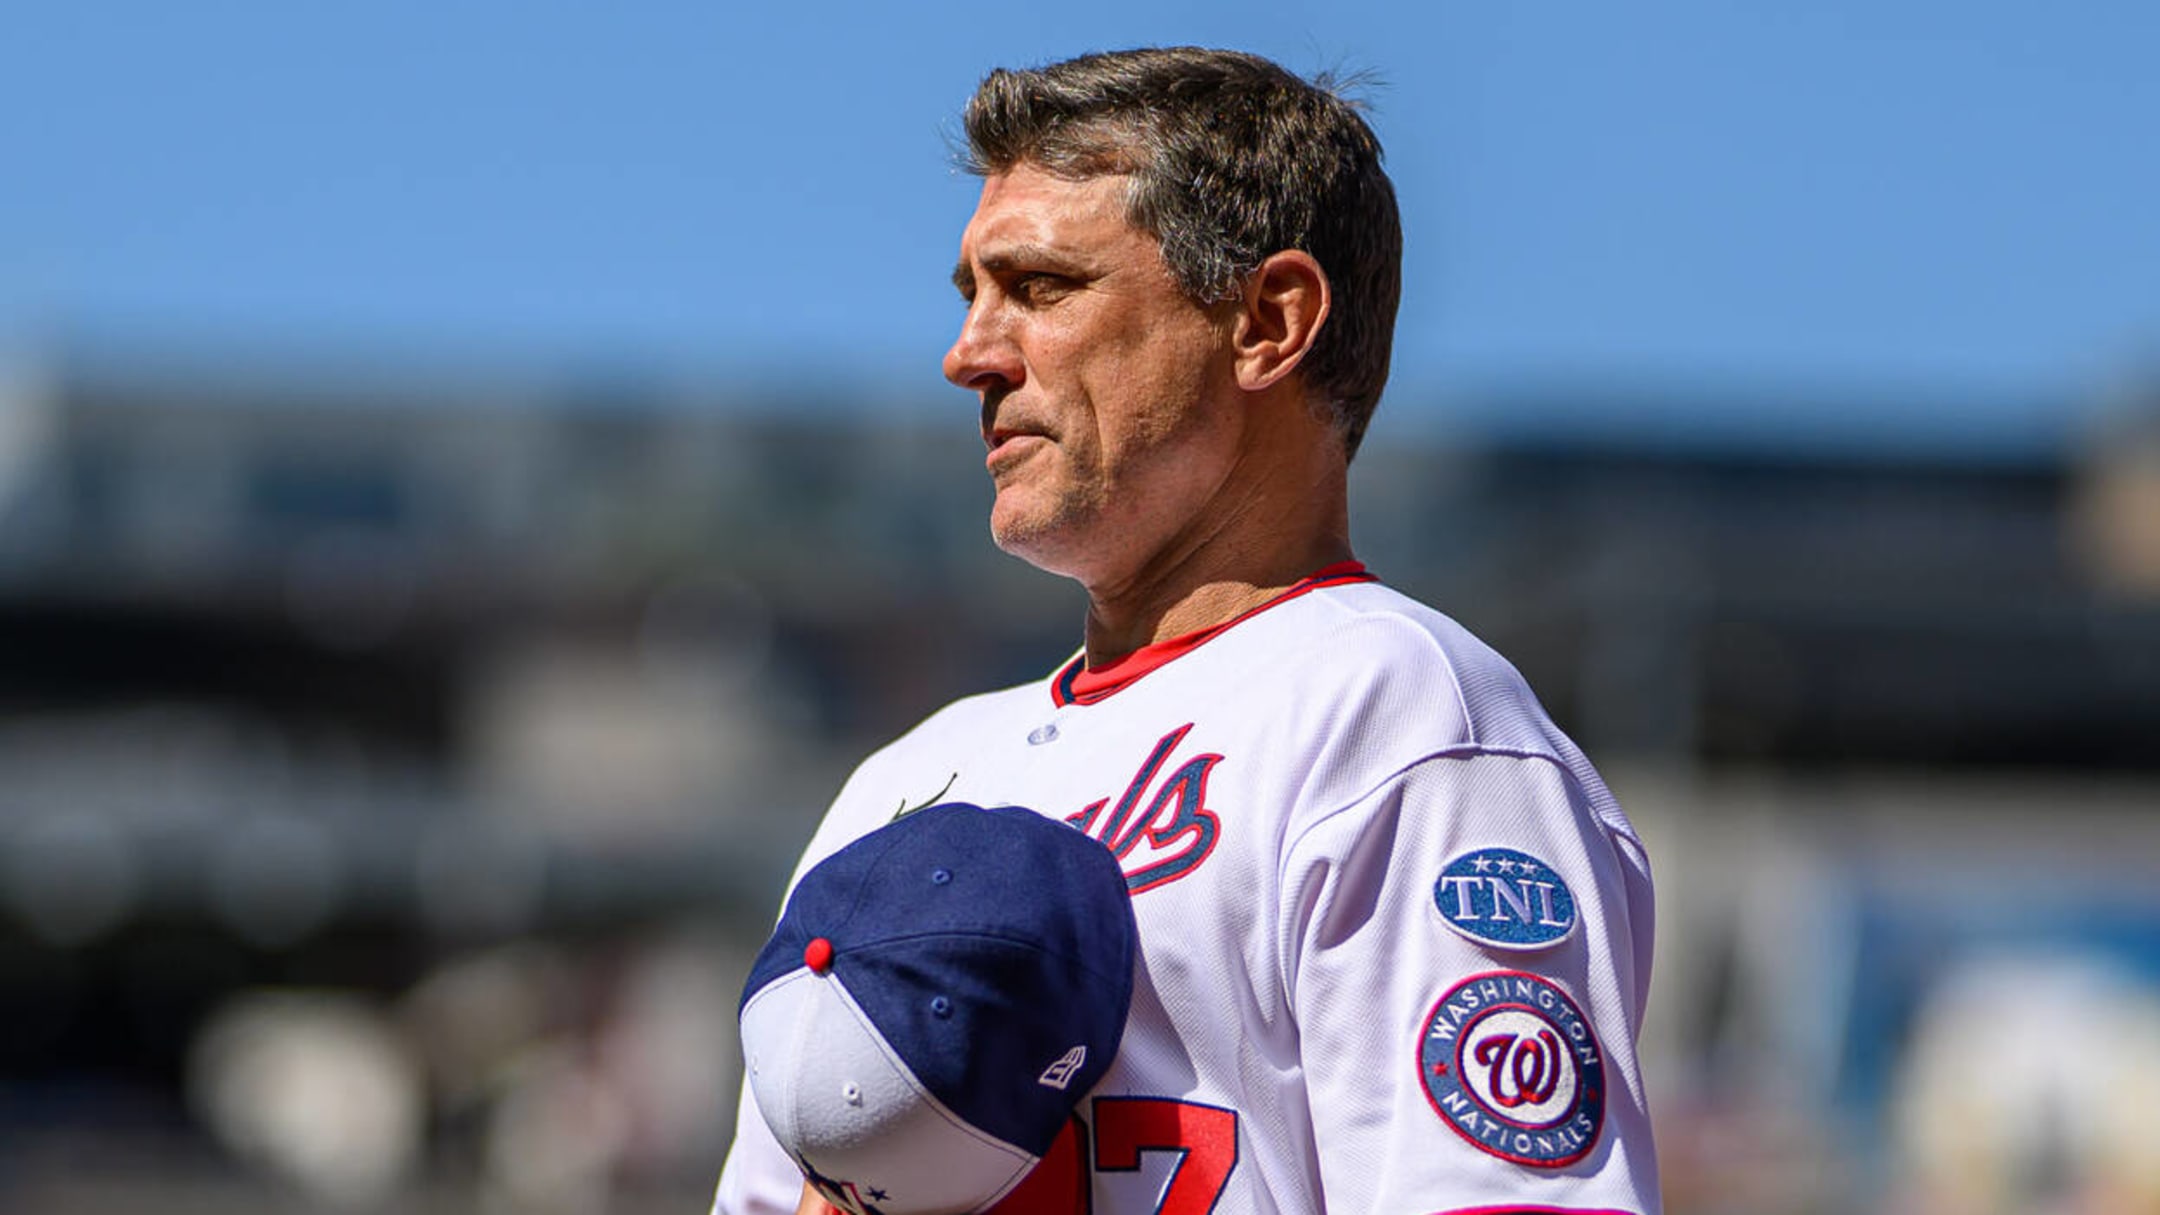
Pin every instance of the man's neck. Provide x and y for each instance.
(1192, 591)
(1282, 512)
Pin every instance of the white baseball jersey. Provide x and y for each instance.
(1395, 934)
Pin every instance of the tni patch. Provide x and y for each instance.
(1510, 1062)
(1505, 899)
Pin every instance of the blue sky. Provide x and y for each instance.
(1928, 221)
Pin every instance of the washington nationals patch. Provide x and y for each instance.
(1505, 899)
(1510, 1062)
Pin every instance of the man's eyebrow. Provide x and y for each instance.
(1034, 257)
(1015, 257)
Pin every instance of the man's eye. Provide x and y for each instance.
(1037, 288)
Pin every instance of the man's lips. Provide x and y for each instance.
(1009, 444)
(1004, 419)
(1006, 427)
(999, 436)
(1000, 427)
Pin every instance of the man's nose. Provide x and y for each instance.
(984, 356)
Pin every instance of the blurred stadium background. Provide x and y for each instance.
(399, 777)
(403, 742)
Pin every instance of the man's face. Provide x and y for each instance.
(1108, 402)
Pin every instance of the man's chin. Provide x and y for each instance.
(1049, 540)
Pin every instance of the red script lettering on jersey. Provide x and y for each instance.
(1174, 833)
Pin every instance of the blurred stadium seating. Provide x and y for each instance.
(400, 769)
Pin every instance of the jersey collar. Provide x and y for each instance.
(1075, 684)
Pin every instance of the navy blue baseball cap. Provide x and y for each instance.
(935, 1001)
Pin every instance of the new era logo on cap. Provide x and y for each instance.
(937, 997)
(1059, 1074)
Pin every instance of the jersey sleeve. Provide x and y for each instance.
(1467, 952)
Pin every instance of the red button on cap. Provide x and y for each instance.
(817, 955)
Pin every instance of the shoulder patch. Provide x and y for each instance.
(1509, 1062)
(1505, 899)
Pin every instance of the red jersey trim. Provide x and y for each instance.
(1074, 684)
(1517, 1208)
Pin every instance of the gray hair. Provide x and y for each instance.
(1233, 158)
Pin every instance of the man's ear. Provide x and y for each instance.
(1284, 304)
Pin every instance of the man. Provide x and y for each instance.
(1394, 933)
